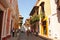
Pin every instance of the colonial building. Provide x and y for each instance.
(34, 19)
(49, 19)
(20, 21)
(27, 22)
(8, 17)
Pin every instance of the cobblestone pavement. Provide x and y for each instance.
(23, 36)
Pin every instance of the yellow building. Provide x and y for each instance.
(48, 18)
(38, 22)
(51, 17)
(46, 9)
(42, 11)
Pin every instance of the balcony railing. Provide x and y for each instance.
(34, 19)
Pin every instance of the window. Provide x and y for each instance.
(44, 27)
(44, 30)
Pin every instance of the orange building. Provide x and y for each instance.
(8, 17)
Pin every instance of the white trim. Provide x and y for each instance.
(3, 25)
(4, 35)
(6, 20)
(3, 9)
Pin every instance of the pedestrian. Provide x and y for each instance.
(13, 31)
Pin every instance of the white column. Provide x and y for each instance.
(4, 24)
(2, 33)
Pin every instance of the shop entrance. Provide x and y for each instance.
(1, 19)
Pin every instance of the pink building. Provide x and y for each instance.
(8, 17)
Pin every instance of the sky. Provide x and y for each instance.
(25, 7)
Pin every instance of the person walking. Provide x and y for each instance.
(13, 31)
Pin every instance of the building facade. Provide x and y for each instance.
(20, 21)
(34, 20)
(27, 22)
(48, 11)
(9, 17)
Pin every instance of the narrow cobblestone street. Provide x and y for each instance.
(29, 19)
(23, 36)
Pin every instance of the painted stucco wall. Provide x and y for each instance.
(50, 8)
